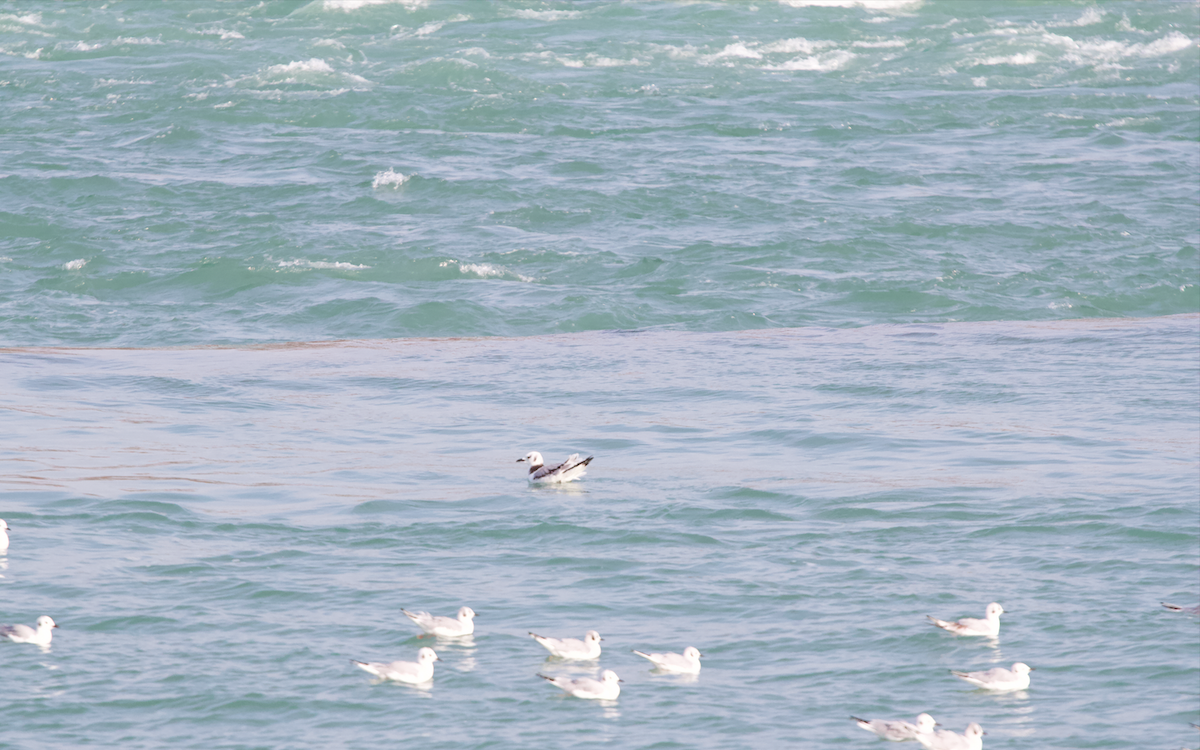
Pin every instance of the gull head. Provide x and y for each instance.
(533, 457)
(1021, 668)
(3, 525)
(609, 677)
(427, 656)
(692, 653)
(974, 730)
(45, 623)
(465, 614)
(592, 637)
(994, 610)
(925, 723)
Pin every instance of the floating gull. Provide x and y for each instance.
(26, 634)
(605, 689)
(944, 739)
(898, 731)
(3, 535)
(567, 471)
(1189, 610)
(572, 648)
(989, 627)
(412, 672)
(444, 627)
(999, 678)
(686, 663)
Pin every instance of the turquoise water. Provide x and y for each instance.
(868, 310)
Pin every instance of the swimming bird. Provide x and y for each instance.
(567, 471)
(604, 689)
(3, 535)
(898, 731)
(26, 634)
(444, 627)
(686, 663)
(1174, 608)
(572, 648)
(989, 627)
(944, 739)
(1000, 679)
(412, 672)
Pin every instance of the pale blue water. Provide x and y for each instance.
(867, 312)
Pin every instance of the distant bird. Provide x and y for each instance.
(572, 648)
(3, 535)
(1000, 679)
(567, 471)
(412, 672)
(989, 627)
(1189, 610)
(686, 663)
(26, 634)
(444, 627)
(604, 689)
(944, 739)
(898, 731)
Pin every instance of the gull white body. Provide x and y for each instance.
(26, 634)
(607, 688)
(445, 627)
(898, 731)
(3, 535)
(412, 672)
(567, 471)
(686, 663)
(944, 739)
(999, 679)
(572, 648)
(988, 627)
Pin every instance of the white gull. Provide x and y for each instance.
(26, 634)
(944, 739)
(412, 672)
(572, 648)
(605, 689)
(444, 627)
(989, 627)
(898, 731)
(3, 535)
(567, 471)
(999, 678)
(686, 663)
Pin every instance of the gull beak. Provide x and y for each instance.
(519, 460)
(620, 680)
(1033, 669)
(56, 624)
(438, 659)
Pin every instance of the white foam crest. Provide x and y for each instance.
(350, 5)
(737, 49)
(483, 270)
(1089, 17)
(75, 265)
(390, 178)
(592, 60)
(29, 19)
(1100, 51)
(429, 28)
(546, 15)
(314, 71)
(320, 265)
(1123, 122)
(121, 82)
(144, 40)
(980, 82)
(884, 5)
(883, 44)
(85, 47)
(796, 46)
(821, 63)
(1020, 58)
(226, 105)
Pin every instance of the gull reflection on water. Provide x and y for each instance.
(461, 652)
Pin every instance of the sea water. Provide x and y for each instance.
(868, 309)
